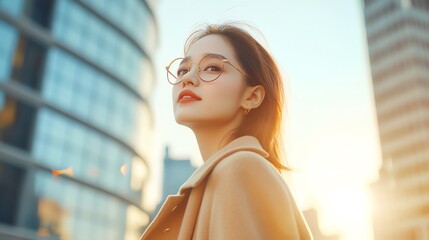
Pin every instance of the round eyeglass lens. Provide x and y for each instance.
(209, 69)
(173, 70)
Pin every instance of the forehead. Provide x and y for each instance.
(213, 44)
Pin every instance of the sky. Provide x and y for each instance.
(330, 127)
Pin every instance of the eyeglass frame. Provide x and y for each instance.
(224, 60)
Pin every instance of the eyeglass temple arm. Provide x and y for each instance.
(227, 61)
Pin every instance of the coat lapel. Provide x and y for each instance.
(170, 203)
(196, 183)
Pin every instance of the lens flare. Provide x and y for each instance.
(124, 169)
(66, 171)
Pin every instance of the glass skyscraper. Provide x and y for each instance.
(76, 77)
(398, 44)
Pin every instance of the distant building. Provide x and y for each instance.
(398, 44)
(75, 120)
(313, 222)
(175, 174)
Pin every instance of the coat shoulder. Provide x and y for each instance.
(246, 159)
(244, 165)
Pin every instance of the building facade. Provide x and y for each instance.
(76, 77)
(398, 44)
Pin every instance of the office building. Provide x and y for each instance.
(75, 122)
(175, 174)
(398, 44)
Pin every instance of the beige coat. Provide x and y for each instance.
(236, 194)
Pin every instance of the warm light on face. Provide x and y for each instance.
(66, 171)
(216, 102)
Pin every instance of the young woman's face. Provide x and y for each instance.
(214, 103)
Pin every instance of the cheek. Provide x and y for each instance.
(225, 96)
(175, 91)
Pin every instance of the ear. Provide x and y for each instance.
(253, 97)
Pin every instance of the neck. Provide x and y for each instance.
(211, 139)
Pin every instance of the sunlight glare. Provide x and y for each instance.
(124, 169)
(348, 208)
(66, 171)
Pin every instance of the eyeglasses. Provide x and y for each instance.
(210, 68)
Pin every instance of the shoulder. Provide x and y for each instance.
(243, 162)
(247, 168)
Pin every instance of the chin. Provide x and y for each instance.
(192, 121)
(186, 120)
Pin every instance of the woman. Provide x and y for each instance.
(228, 90)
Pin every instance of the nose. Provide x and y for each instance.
(191, 77)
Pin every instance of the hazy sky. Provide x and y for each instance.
(331, 130)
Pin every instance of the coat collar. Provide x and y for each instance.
(244, 143)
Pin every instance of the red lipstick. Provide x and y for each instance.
(187, 96)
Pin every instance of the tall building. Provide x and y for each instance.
(75, 123)
(175, 174)
(398, 44)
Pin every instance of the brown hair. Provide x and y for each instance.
(264, 122)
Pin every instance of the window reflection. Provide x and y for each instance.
(92, 96)
(98, 41)
(72, 173)
(28, 62)
(52, 218)
(10, 189)
(128, 14)
(16, 123)
(62, 144)
(7, 47)
(11, 7)
(40, 11)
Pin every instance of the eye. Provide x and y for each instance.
(182, 71)
(214, 69)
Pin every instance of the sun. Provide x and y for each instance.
(339, 172)
(348, 208)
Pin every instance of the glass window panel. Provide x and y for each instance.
(81, 104)
(49, 88)
(101, 43)
(64, 95)
(7, 47)
(4, 68)
(2, 100)
(12, 7)
(17, 130)
(29, 71)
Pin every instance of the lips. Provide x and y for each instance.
(188, 96)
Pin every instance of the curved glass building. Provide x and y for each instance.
(75, 123)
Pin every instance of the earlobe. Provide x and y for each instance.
(254, 95)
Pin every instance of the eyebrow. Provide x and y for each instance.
(186, 59)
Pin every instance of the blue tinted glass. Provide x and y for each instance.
(2, 100)
(80, 211)
(13, 7)
(127, 14)
(98, 41)
(7, 47)
(82, 90)
(65, 145)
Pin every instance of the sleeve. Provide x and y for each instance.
(250, 201)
